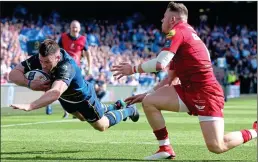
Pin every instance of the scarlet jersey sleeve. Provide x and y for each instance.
(173, 40)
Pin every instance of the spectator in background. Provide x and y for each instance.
(245, 81)
(132, 81)
(132, 41)
(254, 83)
(232, 78)
(220, 74)
(5, 69)
(76, 46)
(3, 79)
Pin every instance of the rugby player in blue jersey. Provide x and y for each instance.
(67, 85)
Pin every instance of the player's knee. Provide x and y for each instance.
(148, 105)
(215, 148)
(99, 128)
(146, 102)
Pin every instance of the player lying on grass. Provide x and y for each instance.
(199, 93)
(67, 85)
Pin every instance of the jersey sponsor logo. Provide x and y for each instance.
(72, 46)
(171, 33)
(190, 27)
(199, 101)
(195, 36)
(65, 67)
(199, 107)
(168, 43)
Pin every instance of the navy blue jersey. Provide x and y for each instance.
(69, 72)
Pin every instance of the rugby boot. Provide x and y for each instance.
(164, 152)
(136, 115)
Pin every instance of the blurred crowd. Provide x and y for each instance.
(232, 48)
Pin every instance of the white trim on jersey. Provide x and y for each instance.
(73, 102)
(209, 118)
(28, 64)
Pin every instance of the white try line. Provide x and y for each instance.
(46, 122)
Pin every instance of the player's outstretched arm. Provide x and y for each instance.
(169, 80)
(157, 64)
(58, 87)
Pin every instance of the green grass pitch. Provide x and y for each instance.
(35, 136)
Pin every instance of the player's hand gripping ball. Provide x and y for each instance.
(37, 75)
(38, 80)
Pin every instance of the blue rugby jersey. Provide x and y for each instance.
(68, 71)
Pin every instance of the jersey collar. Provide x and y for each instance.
(180, 22)
(62, 51)
(62, 58)
(73, 38)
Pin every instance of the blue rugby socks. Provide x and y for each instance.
(116, 106)
(115, 116)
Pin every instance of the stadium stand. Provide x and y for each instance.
(232, 47)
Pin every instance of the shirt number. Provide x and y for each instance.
(195, 37)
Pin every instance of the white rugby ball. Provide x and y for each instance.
(37, 75)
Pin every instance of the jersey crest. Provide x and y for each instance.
(171, 33)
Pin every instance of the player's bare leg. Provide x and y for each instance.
(217, 142)
(164, 98)
(79, 116)
(101, 125)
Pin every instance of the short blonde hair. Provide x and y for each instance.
(179, 8)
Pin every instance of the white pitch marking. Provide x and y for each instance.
(46, 122)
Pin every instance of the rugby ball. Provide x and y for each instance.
(37, 75)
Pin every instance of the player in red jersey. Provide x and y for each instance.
(75, 45)
(199, 93)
